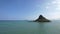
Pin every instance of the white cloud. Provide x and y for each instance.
(47, 7)
(54, 15)
(54, 2)
(54, 9)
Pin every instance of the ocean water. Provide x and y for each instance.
(26, 27)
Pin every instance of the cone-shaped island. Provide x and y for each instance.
(41, 19)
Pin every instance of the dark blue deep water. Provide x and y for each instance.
(26, 27)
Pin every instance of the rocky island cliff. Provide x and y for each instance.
(41, 19)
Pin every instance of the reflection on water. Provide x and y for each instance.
(41, 28)
(24, 27)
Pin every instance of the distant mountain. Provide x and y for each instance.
(41, 19)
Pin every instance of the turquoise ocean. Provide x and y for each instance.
(26, 27)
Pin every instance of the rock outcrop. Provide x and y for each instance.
(42, 19)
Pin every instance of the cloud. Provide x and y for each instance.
(53, 9)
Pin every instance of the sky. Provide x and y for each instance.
(29, 9)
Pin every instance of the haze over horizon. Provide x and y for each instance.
(29, 9)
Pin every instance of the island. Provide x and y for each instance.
(41, 19)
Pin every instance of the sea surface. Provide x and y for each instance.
(27, 27)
